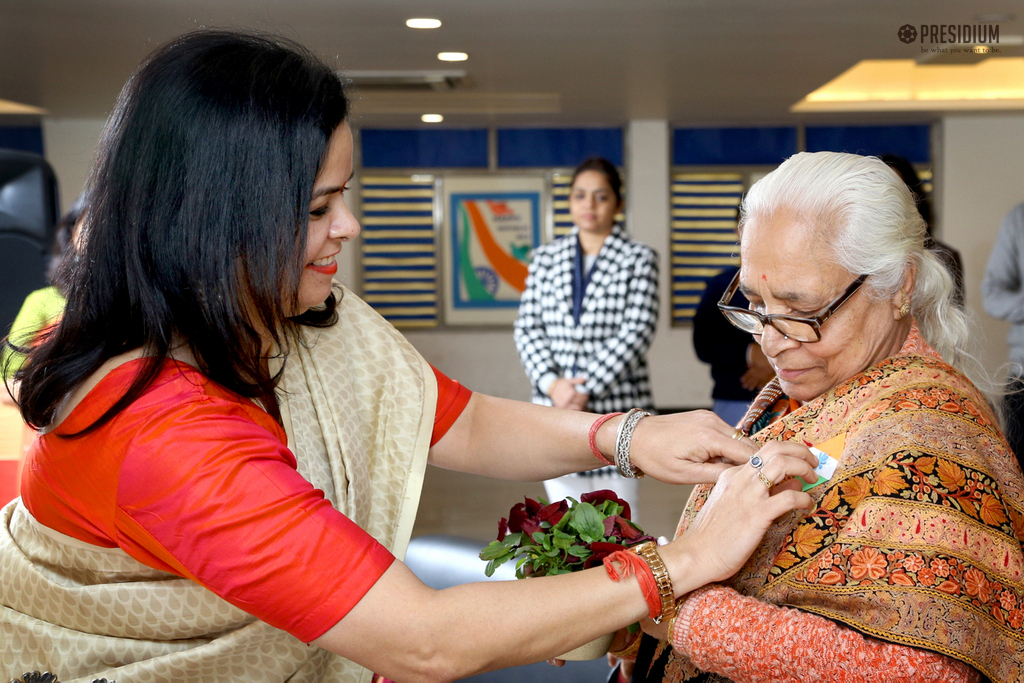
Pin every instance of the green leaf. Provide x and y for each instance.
(588, 522)
(494, 550)
(563, 543)
(580, 552)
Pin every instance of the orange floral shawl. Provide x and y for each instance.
(916, 539)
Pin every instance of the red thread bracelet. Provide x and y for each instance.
(634, 564)
(592, 437)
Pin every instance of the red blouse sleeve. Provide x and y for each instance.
(207, 493)
(748, 641)
(452, 398)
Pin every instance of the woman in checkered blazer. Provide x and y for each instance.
(590, 307)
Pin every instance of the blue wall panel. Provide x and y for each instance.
(22, 138)
(557, 147)
(727, 146)
(420, 148)
(912, 142)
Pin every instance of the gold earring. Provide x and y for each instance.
(905, 308)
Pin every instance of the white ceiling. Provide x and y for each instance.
(694, 62)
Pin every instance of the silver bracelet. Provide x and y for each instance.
(623, 439)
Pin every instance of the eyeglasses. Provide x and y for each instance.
(806, 330)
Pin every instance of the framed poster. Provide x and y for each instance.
(491, 226)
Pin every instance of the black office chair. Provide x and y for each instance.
(29, 209)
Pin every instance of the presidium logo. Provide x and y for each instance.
(956, 34)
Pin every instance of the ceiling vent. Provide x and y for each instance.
(407, 81)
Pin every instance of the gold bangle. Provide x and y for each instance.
(631, 649)
(649, 552)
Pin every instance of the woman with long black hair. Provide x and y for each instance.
(232, 444)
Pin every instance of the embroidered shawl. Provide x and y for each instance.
(358, 403)
(916, 539)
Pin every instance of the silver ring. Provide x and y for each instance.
(756, 462)
(765, 480)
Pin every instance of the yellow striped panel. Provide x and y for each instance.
(692, 224)
(693, 247)
(703, 213)
(705, 260)
(397, 180)
(407, 248)
(382, 234)
(691, 300)
(705, 201)
(717, 188)
(400, 298)
(401, 275)
(400, 261)
(705, 236)
(693, 177)
(682, 271)
(694, 284)
(399, 206)
(427, 193)
(684, 314)
(374, 286)
(398, 220)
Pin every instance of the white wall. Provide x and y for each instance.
(980, 177)
(70, 146)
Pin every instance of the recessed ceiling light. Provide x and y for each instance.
(452, 56)
(431, 118)
(422, 22)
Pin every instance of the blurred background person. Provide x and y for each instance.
(44, 306)
(588, 316)
(949, 256)
(739, 368)
(1003, 297)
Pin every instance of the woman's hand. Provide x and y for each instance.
(564, 394)
(682, 448)
(738, 513)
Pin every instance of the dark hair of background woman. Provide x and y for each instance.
(905, 170)
(64, 239)
(601, 165)
(197, 220)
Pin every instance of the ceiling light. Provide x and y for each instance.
(423, 23)
(452, 56)
(904, 85)
(431, 118)
(9, 107)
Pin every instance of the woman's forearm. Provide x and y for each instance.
(521, 441)
(409, 632)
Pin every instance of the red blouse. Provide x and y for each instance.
(194, 480)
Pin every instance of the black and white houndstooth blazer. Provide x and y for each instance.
(620, 312)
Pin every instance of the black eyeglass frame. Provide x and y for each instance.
(815, 323)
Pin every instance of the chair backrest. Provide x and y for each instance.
(29, 209)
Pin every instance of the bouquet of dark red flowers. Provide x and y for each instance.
(563, 537)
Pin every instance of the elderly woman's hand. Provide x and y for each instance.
(686, 448)
(741, 508)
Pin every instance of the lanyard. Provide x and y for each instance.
(580, 280)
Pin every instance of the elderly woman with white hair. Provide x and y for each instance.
(909, 566)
